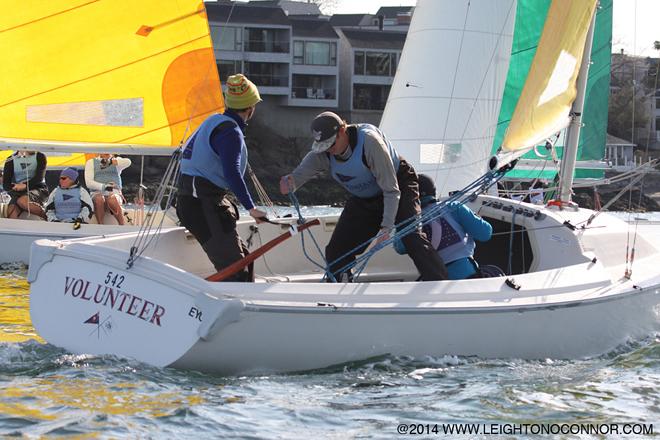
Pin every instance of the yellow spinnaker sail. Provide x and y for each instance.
(550, 89)
(82, 75)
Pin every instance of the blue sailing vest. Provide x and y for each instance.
(67, 203)
(353, 174)
(449, 238)
(24, 167)
(107, 174)
(199, 159)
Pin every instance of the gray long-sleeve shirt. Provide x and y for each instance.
(379, 161)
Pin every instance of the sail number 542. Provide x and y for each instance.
(114, 279)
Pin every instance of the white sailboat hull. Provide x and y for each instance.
(573, 303)
(277, 340)
(17, 235)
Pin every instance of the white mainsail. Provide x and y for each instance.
(443, 107)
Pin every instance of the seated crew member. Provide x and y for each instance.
(453, 234)
(24, 179)
(383, 188)
(69, 202)
(213, 163)
(103, 178)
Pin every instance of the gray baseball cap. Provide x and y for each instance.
(325, 127)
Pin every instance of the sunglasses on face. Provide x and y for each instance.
(63, 178)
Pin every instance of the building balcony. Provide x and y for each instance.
(266, 46)
(269, 84)
(311, 97)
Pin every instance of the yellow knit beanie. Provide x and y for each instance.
(241, 92)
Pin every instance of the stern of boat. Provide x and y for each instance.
(85, 300)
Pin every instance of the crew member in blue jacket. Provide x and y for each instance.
(383, 191)
(213, 163)
(453, 234)
(69, 202)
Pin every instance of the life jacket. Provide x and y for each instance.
(449, 238)
(67, 203)
(24, 167)
(107, 174)
(353, 174)
(199, 158)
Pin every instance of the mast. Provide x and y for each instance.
(569, 158)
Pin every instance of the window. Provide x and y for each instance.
(369, 97)
(358, 62)
(267, 74)
(315, 53)
(226, 37)
(377, 64)
(657, 103)
(266, 40)
(227, 68)
(298, 52)
(374, 63)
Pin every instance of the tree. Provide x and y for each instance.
(326, 6)
(620, 112)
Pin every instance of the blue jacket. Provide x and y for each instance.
(453, 236)
(218, 153)
(353, 174)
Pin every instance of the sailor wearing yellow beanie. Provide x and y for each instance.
(241, 93)
(213, 163)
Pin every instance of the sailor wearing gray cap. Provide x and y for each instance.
(383, 190)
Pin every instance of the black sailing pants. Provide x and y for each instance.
(361, 218)
(211, 218)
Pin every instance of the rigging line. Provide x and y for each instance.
(627, 271)
(453, 86)
(408, 225)
(615, 198)
(45, 17)
(168, 181)
(648, 138)
(490, 63)
(561, 226)
(301, 220)
(145, 29)
(481, 85)
(264, 198)
(513, 227)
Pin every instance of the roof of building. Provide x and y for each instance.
(375, 39)
(613, 140)
(339, 20)
(394, 11)
(291, 7)
(312, 28)
(242, 13)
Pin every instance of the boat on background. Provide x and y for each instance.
(88, 97)
(578, 283)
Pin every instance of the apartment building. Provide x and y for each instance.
(368, 63)
(304, 62)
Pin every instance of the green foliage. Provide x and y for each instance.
(620, 115)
